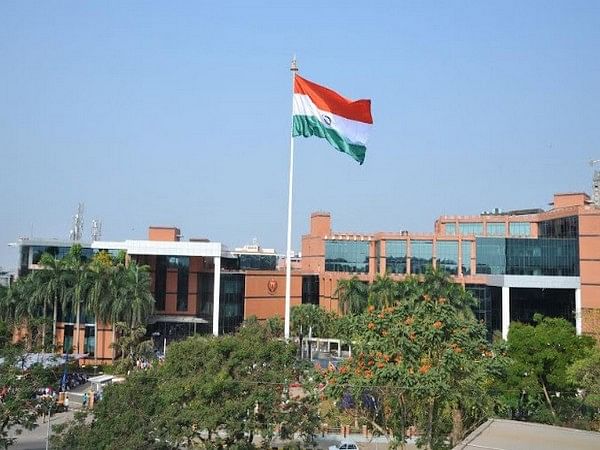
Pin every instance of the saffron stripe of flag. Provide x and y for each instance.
(319, 111)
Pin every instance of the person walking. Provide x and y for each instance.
(66, 403)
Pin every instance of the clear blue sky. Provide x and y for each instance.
(178, 113)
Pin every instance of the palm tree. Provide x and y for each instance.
(103, 277)
(352, 295)
(132, 301)
(52, 286)
(24, 306)
(140, 302)
(79, 286)
(384, 292)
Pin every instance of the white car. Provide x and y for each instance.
(344, 445)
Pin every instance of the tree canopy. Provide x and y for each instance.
(209, 391)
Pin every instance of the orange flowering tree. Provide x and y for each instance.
(421, 365)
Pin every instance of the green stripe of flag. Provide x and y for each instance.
(310, 126)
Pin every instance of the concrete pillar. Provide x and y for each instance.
(578, 323)
(505, 311)
(216, 294)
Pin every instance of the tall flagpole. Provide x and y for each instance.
(288, 259)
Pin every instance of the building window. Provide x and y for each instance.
(182, 265)
(466, 257)
(474, 228)
(517, 229)
(377, 256)
(450, 228)
(347, 256)
(395, 256)
(310, 289)
(204, 308)
(447, 256)
(231, 307)
(551, 257)
(496, 229)
(421, 256)
(483, 308)
(68, 339)
(565, 227)
(160, 282)
(258, 262)
(89, 340)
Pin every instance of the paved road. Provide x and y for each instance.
(36, 439)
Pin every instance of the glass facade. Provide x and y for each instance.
(558, 257)
(421, 256)
(231, 307)
(395, 256)
(466, 257)
(524, 303)
(483, 309)
(258, 262)
(57, 252)
(182, 265)
(347, 256)
(310, 289)
(450, 228)
(474, 228)
(447, 256)
(519, 229)
(565, 227)
(204, 308)
(160, 282)
(89, 340)
(68, 339)
(496, 229)
(231, 300)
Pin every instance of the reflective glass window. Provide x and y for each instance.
(496, 229)
(519, 229)
(182, 265)
(421, 256)
(231, 303)
(347, 256)
(258, 262)
(310, 289)
(565, 227)
(466, 257)
(447, 256)
(450, 228)
(89, 340)
(491, 255)
(474, 228)
(395, 256)
(160, 282)
(556, 257)
(68, 339)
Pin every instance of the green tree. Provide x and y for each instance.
(536, 386)
(352, 295)
(79, 284)
(52, 287)
(585, 374)
(17, 393)
(383, 292)
(423, 362)
(210, 392)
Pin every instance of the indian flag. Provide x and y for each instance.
(319, 111)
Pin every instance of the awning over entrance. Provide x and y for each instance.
(176, 319)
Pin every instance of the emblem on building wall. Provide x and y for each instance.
(272, 286)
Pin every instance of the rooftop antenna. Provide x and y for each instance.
(76, 232)
(596, 183)
(96, 230)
